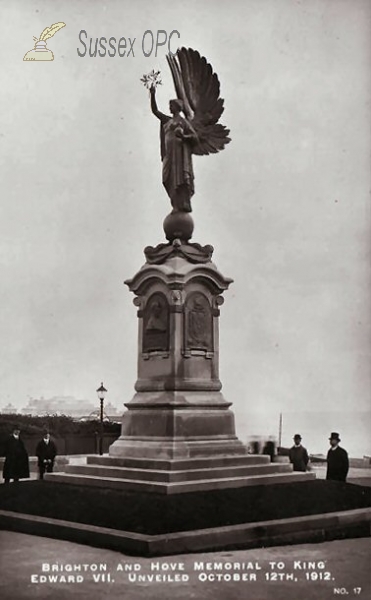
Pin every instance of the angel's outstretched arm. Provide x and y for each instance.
(163, 118)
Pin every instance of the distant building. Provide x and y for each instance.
(64, 405)
(110, 413)
(9, 409)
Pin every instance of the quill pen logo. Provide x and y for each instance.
(41, 52)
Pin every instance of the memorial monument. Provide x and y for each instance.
(178, 433)
(179, 410)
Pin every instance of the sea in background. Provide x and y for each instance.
(315, 428)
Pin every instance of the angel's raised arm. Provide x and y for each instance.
(163, 118)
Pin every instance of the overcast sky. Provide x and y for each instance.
(286, 204)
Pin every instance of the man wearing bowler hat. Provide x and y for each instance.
(298, 455)
(337, 460)
(46, 452)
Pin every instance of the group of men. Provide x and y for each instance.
(16, 464)
(337, 458)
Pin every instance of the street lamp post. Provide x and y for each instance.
(101, 391)
(280, 432)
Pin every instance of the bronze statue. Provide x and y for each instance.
(197, 132)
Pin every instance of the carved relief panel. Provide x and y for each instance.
(156, 324)
(198, 324)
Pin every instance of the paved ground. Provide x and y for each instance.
(355, 475)
(339, 568)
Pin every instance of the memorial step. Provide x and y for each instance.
(180, 464)
(177, 476)
(178, 487)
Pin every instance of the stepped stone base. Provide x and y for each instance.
(146, 448)
(178, 476)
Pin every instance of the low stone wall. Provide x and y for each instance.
(296, 530)
(71, 444)
(59, 464)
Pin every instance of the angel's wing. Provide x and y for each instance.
(199, 88)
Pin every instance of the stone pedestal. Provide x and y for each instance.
(178, 434)
(178, 410)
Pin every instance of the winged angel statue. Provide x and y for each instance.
(197, 132)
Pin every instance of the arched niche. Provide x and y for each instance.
(156, 324)
(198, 324)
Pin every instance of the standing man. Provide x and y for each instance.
(298, 455)
(46, 452)
(337, 460)
(16, 464)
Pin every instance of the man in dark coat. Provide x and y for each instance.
(337, 460)
(46, 452)
(16, 464)
(298, 455)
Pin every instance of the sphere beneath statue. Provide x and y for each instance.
(178, 225)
